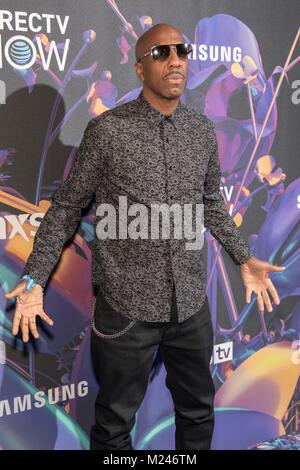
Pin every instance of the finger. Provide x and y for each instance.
(248, 295)
(16, 323)
(47, 319)
(16, 291)
(273, 292)
(25, 329)
(267, 301)
(260, 302)
(33, 328)
(272, 267)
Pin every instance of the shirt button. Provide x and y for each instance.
(169, 281)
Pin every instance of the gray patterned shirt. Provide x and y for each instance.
(136, 151)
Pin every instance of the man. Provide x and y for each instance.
(151, 292)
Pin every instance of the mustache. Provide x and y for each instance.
(174, 73)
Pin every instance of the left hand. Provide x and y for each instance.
(255, 276)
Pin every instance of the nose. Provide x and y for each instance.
(173, 57)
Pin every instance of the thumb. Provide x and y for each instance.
(272, 267)
(16, 291)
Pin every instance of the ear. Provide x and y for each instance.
(139, 71)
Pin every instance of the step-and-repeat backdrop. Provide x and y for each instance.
(65, 62)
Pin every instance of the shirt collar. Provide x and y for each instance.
(156, 116)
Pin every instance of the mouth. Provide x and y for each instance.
(175, 78)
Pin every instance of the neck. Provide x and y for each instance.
(164, 105)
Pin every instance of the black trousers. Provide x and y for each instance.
(123, 364)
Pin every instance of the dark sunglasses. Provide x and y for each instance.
(163, 51)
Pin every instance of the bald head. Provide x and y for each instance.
(158, 84)
(151, 37)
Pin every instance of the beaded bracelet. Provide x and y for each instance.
(30, 282)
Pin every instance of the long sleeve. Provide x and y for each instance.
(216, 216)
(62, 217)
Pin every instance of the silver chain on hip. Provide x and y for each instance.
(102, 335)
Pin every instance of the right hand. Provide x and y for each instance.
(28, 306)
